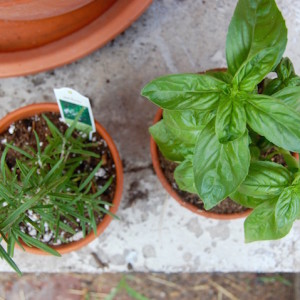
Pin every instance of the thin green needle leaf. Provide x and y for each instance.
(90, 177)
(53, 129)
(35, 243)
(104, 188)
(3, 164)
(52, 171)
(73, 125)
(19, 150)
(8, 259)
(37, 143)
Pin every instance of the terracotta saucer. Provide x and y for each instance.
(76, 45)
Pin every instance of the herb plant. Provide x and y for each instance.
(209, 119)
(45, 192)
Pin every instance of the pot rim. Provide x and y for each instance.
(172, 192)
(76, 45)
(38, 108)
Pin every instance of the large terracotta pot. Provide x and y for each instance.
(39, 108)
(26, 51)
(26, 24)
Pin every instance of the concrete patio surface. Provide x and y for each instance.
(154, 233)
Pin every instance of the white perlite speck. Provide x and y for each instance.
(100, 173)
(11, 128)
(77, 236)
(32, 232)
(4, 141)
(47, 237)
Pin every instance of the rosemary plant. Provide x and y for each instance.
(45, 192)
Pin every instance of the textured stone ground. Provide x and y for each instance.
(154, 233)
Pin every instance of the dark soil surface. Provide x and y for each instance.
(21, 134)
(277, 158)
(200, 286)
(227, 206)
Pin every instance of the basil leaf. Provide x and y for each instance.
(290, 96)
(285, 69)
(254, 152)
(221, 75)
(254, 70)
(186, 124)
(271, 86)
(171, 147)
(265, 179)
(261, 224)
(185, 91)
(291, 161)
(257, 36)
(230, 120)
(273, 119)
(219, 168)
(287, 207)
(184, 176)
(286, 77)
(245, 200)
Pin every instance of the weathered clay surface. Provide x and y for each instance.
(154, 232)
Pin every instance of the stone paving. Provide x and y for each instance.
(154, 233)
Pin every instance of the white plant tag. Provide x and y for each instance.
(70, 103)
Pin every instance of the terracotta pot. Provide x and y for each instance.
(39, 108)
(161, 176)
(72, 45)
(26, 24)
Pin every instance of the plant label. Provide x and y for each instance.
(71, 103)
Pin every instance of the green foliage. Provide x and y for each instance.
(45, 190)
(219, 168)
(123, 285)
(218, 124)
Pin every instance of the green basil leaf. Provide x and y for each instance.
(245, 200)
(184, 176)
(219, 168)
(286, 78)
(272, 118)
(265, 180)
(186, 124)
(290, 96)
(271, 86)
(171, 147)
(296, 180)
(230, 120)
(287, 207)
(254, 152)
(254, 70)
(185, 91)
(291, 161)
(285, 69)
(261, 225)
(257, 35)
(221, 75)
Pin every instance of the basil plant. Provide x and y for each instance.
(209, 119)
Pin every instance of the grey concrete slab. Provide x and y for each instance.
(154, 232)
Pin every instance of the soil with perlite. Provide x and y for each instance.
(21, 134)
